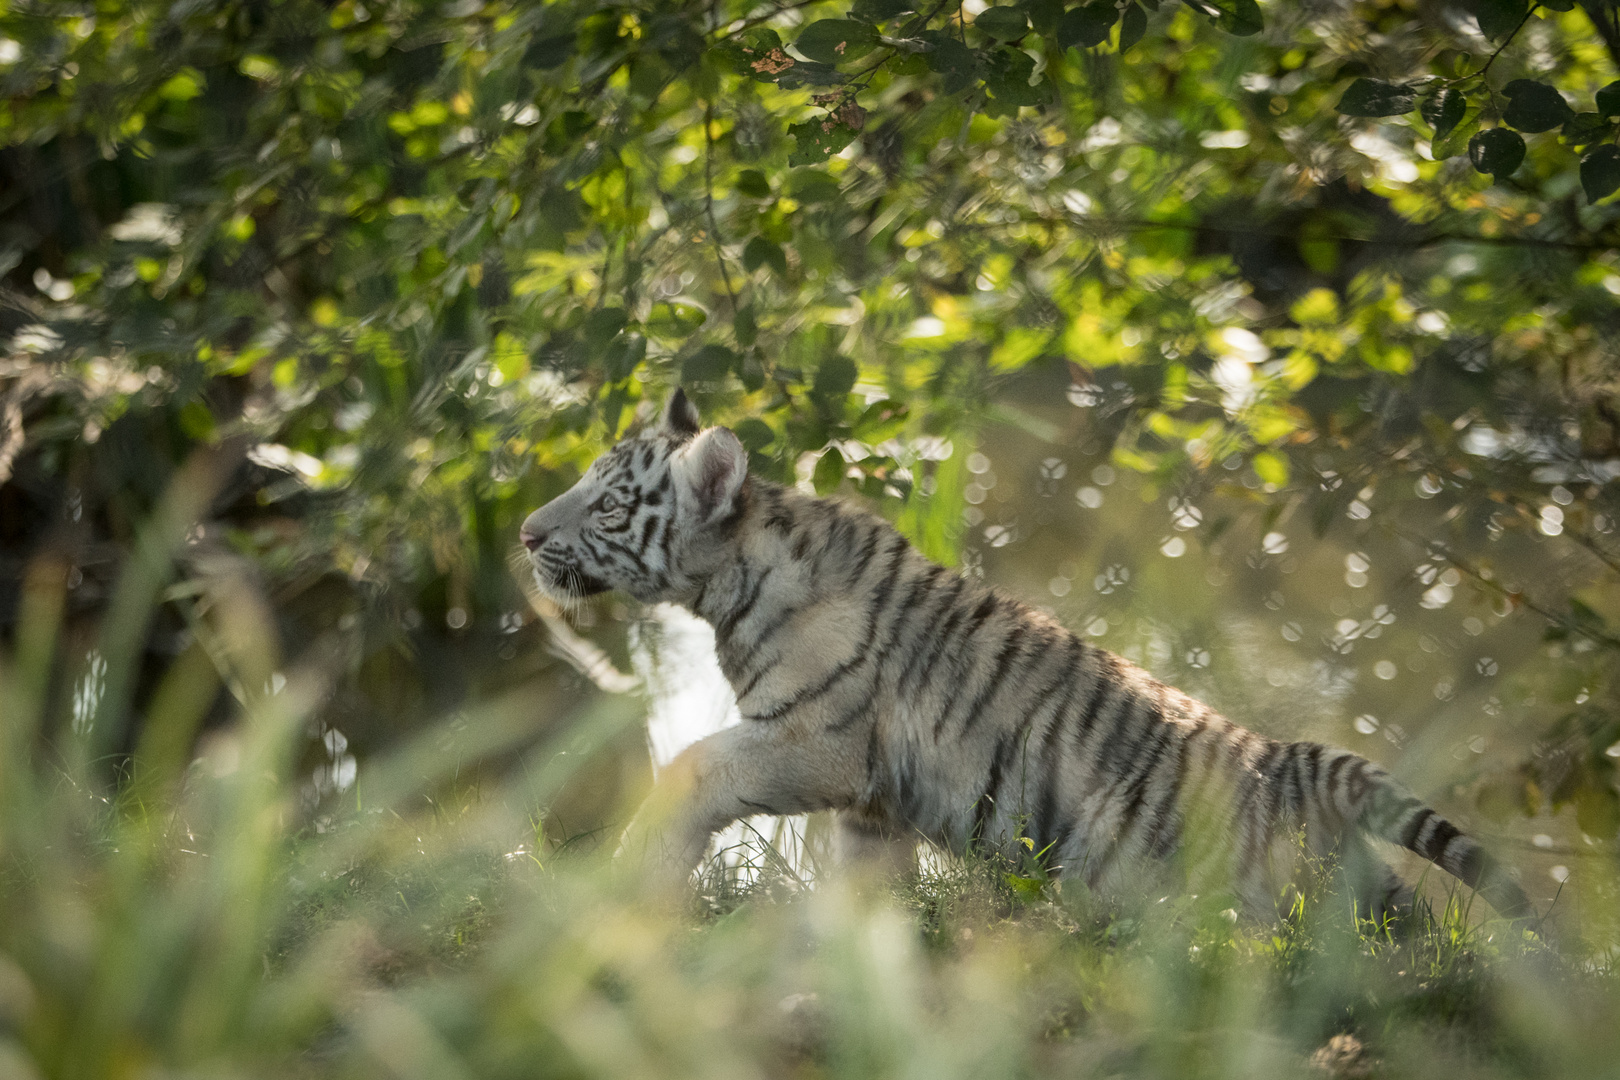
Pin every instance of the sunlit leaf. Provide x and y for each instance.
(829, 471)
(1443, 111)
(675, 320)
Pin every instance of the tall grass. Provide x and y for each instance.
(169, 912)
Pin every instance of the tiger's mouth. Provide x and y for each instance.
(567, 580)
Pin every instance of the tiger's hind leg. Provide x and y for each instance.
(1380, 896)
(867, 848)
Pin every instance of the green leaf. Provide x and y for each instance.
(1608, 100)
(1585, 128)
(624, 354)
(1026, 889)
(1007, 77)
(1600, 171)
(754, 434)
(818, 139)
(751, 370)
(809, 73)
(829, 472)
(1271, 468)
(711, 363)
(745, 326)
(603, 324)
(762, 252)
(1240, 17)
(876, 11)
(1044, 15)
(1497, 151)
(834, 41)
(757, 53)
(752, 183)
(549, 52)
(1131, 27)
(1002, 23)
(1534, 106)
(1498, 18)
(672, 320)
(881, 420)
(950, 58)
(1597, 810)
(1369, 97)
(1087, 26)
(1558, 5)
(676, 41)
(835, 377)
(1443, 111)
(1457, 141)
(811, 186)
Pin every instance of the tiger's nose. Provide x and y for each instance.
(533, 533)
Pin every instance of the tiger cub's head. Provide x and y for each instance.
(647, 518)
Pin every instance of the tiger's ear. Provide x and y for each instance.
(709, 472)
(680, 418)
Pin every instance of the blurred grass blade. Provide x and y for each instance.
(150, 565)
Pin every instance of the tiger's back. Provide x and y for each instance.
(918, 702)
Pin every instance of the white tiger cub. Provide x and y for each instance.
(916, 702)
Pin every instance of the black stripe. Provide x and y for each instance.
(664, 538)
(964, 631)
(1164, 834)
(880, 598)
(925, 639)
(862, 709)
(1414, 828)
(734, 618)
(986, 804)
(993, 684)
(803, 697)
(1135, 795)
(1066, 679)
(1444, 833)
(1357, 783)
(1314, 760)
(1330, 786)
(1254, 777)
(868, 550)
(861, 655)
(1102, 687)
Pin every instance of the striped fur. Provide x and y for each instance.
(916, 702)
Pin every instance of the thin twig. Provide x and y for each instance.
(749, 24)
(1505, 43)
(1438, 549)
(708, 201)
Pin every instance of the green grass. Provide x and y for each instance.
(201, 920)
(222, 940)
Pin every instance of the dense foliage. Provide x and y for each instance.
(306, 304)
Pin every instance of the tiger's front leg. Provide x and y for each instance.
(753, 768)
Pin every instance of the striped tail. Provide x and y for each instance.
(1383, 808)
